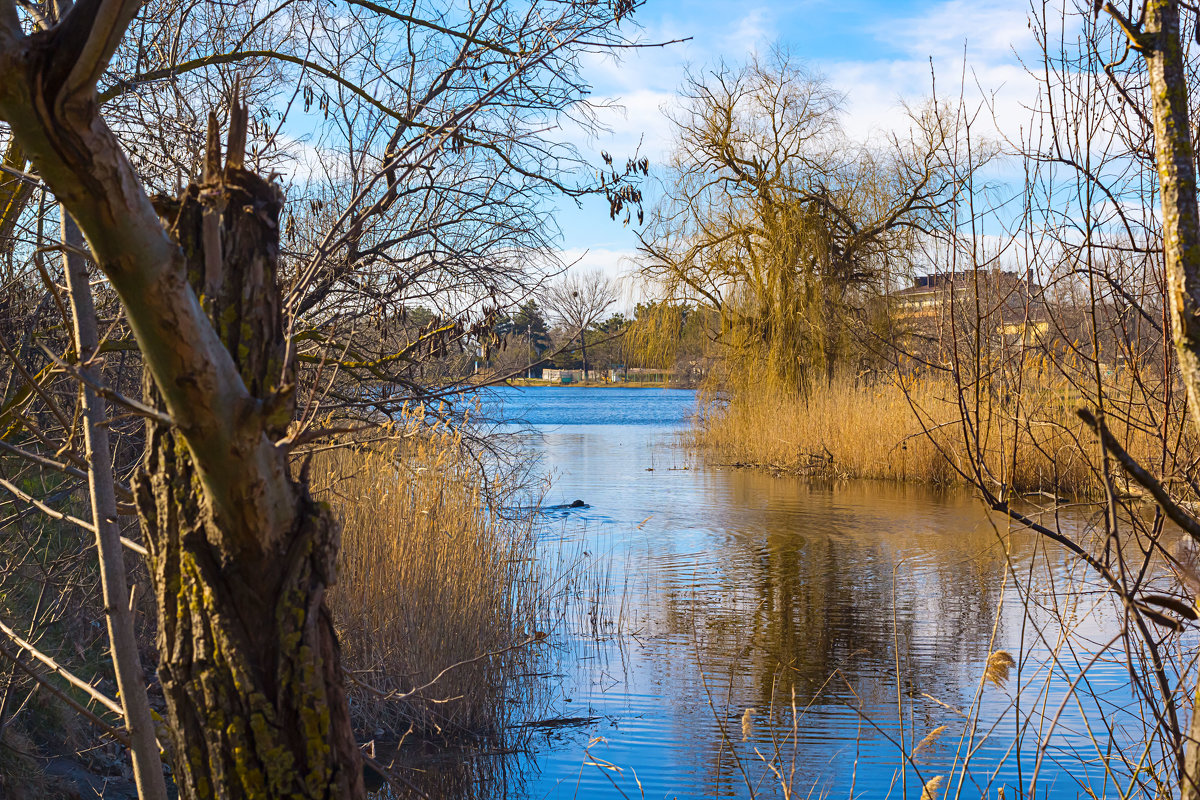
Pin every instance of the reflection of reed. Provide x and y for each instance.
(839, 604)
(806, 585)
(804, 591)
(824, 631)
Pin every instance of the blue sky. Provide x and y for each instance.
(877, 53)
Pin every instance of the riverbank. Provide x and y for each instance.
(440, 595)
(919, 431)
(738, 593)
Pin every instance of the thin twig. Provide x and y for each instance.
(70, 677)
(1171, 508)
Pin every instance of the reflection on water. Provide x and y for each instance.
(772, 631)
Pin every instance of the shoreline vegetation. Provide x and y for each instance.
(944, 303)
(531, 383)
(913, 429)
(442, 599)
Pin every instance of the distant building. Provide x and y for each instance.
(1009, 312)
(944, 311)
(1008, 294)
(568, 375)
(562, 375)
(614, 375)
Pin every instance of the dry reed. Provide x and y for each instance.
(913, 430)
(439, 598)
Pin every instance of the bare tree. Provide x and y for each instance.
(772, 219)
(239, 554)
(1116, 332)
(579, 300)
(1155, 35)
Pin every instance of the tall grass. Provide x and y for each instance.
(839, 431)
(915, 428)
(440, 601)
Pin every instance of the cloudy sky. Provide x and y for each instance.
(879, 54)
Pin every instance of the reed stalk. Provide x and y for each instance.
(440, 602)
(913, 428)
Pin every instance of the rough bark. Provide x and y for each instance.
(1159, 42)
(248, 656)
(240, 555)
(127, 662)
(1176, 165)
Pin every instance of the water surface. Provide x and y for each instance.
(757, 631)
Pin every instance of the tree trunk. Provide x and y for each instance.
(127, 662)
(1160, 44)
(583, 347)
(239, 553)
(248, 657)
(1176, 164)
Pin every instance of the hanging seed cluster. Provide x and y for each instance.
(311, 96)
(458, 139)
(622, 196)
(622, 9)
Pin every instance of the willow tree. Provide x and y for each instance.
(240, 555)
(773, 219)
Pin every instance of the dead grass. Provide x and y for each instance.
(1030, 441)
(439, 598)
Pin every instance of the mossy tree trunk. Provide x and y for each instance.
(248, 657)
(1157, 37)
(240, 555)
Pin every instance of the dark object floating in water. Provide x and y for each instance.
(516, 511)
(565, 506)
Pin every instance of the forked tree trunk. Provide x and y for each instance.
(248, 658)
(239, 553)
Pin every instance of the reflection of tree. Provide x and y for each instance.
(805, 590)
(488, 771)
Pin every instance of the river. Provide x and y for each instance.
(752, 632)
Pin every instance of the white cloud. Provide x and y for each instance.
(986, 32)
(937, 41)
(751, 32)
(877, 93)
(972, 50)
(635, 120)
(635, 88)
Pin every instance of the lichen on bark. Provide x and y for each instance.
(248, 658)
